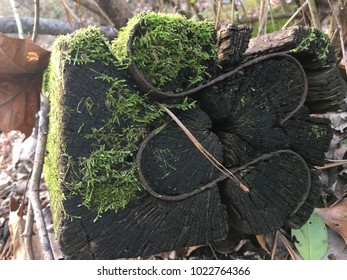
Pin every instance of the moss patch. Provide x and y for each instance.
(173, 52)
(315, 42)
(104, 175)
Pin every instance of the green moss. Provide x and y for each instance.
(107, 178)
(54, 85)
(169, 48)
(110, 178)
(320, 39)
(318, 131)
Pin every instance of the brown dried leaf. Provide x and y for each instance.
(337, 249)
(16, 225)
(21, 69)
(262, 242)
(19, 101)
(21, 56)
(336, 218)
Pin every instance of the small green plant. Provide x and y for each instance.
(169, 49)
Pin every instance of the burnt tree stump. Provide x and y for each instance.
(124, 178)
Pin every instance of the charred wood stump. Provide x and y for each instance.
(127, 180)
(146, 224)
(326, 88)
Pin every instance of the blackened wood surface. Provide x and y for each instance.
(279, 185)
(326, 90)
(308, 136)
(147, 225)
(247, 109)
(298, 218)
(232, 43)
(172, 165)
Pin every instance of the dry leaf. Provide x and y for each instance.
(21, 56)
(22, 63)
(336, 217)
(337, 249)
(19, 101)
(16, 225)
(262, 242)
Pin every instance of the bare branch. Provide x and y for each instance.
(295, 14)
(47, 27)
(28, 232)
(341, 32)
(17, 18)
(314, 14)
(34, 182)
(117, 10)
(37, 20)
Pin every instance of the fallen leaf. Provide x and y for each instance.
(261, 238)
(337, 247)
(22, 64)
(21, 56)
(16, 225)
(336, 217)
(19, 101)
(311, 238)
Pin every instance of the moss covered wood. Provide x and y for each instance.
(96, 123)
(173, 53)
(326, 88)
(253, 119)
(310, 46)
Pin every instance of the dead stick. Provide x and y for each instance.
(213, 160)
(28, 232)
(314, 14)
(17, 18)
(37, 20)
(341, 32)
(34, 182)
(295, 14)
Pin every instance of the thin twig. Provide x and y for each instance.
(290, 250)
(102, 13)
(295, 14)
(341, 32)
(37, 20)
(232, 11)
(18, 21)
(28, 232)
(218, 14)
(263, 16)
(34, 183)
(210, 157)
(332, 164)
(314, 14)
(274, 247)
(69, 12)
(271, 16)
